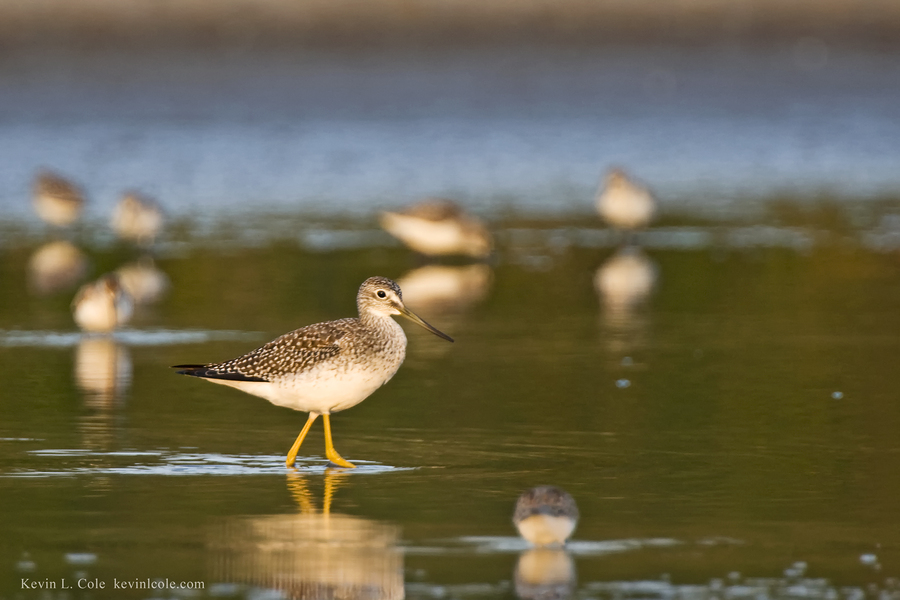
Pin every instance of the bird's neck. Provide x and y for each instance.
(375, 320)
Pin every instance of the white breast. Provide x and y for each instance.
(628, 208)
(546, 530)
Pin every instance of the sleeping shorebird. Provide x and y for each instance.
(624, 204)
(326, 367)
(437, 227)
(546, 515)
(102, 305)
(57, 200)
(137, 219)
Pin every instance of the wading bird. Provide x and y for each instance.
(326, 367)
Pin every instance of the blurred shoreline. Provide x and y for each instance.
(352, 107)
(361, 25)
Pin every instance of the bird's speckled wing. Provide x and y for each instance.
(434, 209)
(53, 185)
(294, 352)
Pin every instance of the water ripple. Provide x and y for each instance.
(734, 587)
(131, 337)
(87, 462)
(504, 544)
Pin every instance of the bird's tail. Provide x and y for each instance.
(211, 372)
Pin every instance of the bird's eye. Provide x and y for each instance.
(381, 294)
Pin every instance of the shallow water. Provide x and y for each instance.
(728, 431)
(721, 403)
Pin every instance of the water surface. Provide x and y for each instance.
(732, 422)
(721, 402)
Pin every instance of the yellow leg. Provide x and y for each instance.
(330, 452)
(292, 455)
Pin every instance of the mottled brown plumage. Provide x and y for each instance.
(292, 352)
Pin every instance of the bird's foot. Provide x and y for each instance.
(338, 460)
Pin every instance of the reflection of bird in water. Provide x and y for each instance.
(56, 266)
(623, 282)
(137, 219)
(311, 555)
(297, 484)
(545, 574)
(325, 367)
(103, 374)
(57, 200)
(446, 291)
(102, 305)
(143, 281)
(102, 369)
(442, 288)
(437, 227)
(623, 203)
(546, 515)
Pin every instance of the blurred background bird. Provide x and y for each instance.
(57, 201)
(143, 280)
(624, 204)
(137, 219)
(439, 227)
(546, 515)
(102, 305)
